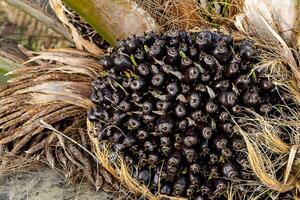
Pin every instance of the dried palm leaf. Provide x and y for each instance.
(188, 14)
(277, 15)
(80, 43)
(33, 32)
(85, 30)
(56, 92)
(40, 11)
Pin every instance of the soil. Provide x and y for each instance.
(45, 184)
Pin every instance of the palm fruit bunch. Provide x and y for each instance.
(164, 102)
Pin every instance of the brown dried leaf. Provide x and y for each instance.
(50, 158)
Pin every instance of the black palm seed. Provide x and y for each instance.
(236, 109)
(194, 100)
(124, 105)
(147, 107)
(266, 85)
(152, 160)
(136, 97)
(128, 160)
(232, 70)
(160, 42)
(220, 186)
(131, 45)
(205, 189)
(172, 56)
(227, 99)
(143, 70)
(227, 127)
(148, 119)
(195, 168)
(221, 53)
(227, 153)
(214, 172)
(180, 186)
(165, 141)
(117, 137)
(173, 38)
(149, 146)
(116, 97)
(122, 62)
(191, 74)
(205, 77)
(220, 142)
(144, 176)
(126, 82)
(101, 114)
(251, 98)
(190, 141)
(166, 189)
(165, 126)
(209, 63)
(185, 88)
(134, 124)
(211, 107)
(236, 59)
(230, 170)
(249, 54)
(224, 116)
(163, 105)
(183, 35)
(185, 63)
(156, 52)
(205, 150)
(238, 144)
(206, 132)
(201, 88)
(106, 62)
(193, 53)
(203, 44)
(183, 48)
(121, 45)
(137, 84)
(182, 125)
(172, 88)
(140, 56)
(243, 82)
(198, 116)
(142, 135)
(213, 158)
(129, 141)
(157, 79)
(180, 110)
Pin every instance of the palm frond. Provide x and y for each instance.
(51, 88)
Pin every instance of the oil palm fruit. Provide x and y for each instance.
(174, 95)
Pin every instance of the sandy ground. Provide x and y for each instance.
(44, 184)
